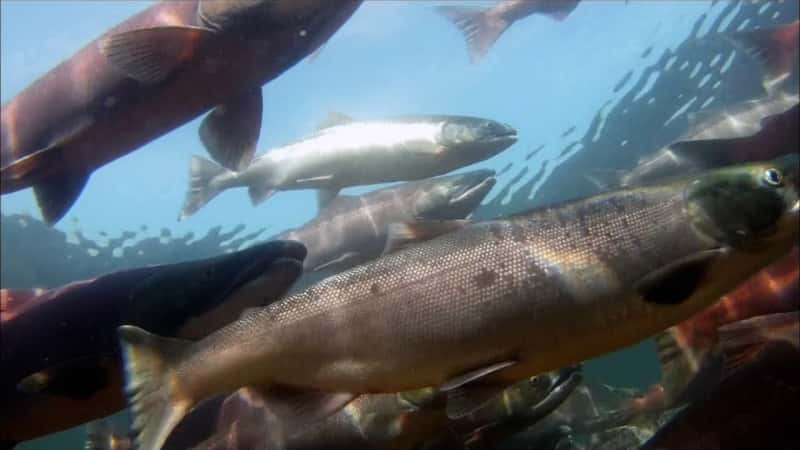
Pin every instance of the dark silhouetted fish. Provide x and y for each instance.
(755, 130)
(351, 230)
(148, 75)
(60, 353)
(483, 26)
(349, 153)
(755, 406)
(491, 303)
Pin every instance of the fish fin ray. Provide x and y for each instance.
(401, 235)
(152, 386)
(474, 375)
(463, 401)
(230, 132)
(150, 55)
(480, 30)
(202, 174)
(325, 196)
(675, 282)
(333, 119)
(56, 195)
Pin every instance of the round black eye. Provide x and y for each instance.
(773, 177)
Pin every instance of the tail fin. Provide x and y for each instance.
(480, 29)
(202, 188)
(153, 389)
(99, 436)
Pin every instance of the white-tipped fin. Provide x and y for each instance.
(202, 186)
(481, 30)
(153, 389)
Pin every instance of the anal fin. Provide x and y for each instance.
(230, 132)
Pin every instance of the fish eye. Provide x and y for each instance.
(773, 177)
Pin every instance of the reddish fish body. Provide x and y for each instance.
(87, 111)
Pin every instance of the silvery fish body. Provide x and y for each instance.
(351, 230)
(357, 153)
(496, 301)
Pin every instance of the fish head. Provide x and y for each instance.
(193, 299)
(751, 207)
(472, 139)
(452, 196)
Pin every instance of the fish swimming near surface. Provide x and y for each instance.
(483, 26)
(352, 230)
(60, 353)
(408, 420)
(755, 130)
(150, 74)
(483, 305)
(344, 152)
(755, 406)
(776, 48)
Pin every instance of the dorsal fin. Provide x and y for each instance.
(334, 119)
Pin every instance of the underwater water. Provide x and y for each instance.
(588, 92)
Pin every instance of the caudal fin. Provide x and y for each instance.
(203, 174)
(481, 30)
(154, 391)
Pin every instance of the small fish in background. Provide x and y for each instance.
(60, 353)
(345, 152)
(755, 130)
(486, 304)
(776, 48)
(483, 26)
(755, 405)
(149, 74)
(351, 230)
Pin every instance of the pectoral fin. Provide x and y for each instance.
(676, 282)
(230, 132)
(742, 342)
(78, 379)
(401, 235)
(465, 395)
(150, 55)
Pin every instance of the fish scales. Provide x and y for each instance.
(512, 280)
